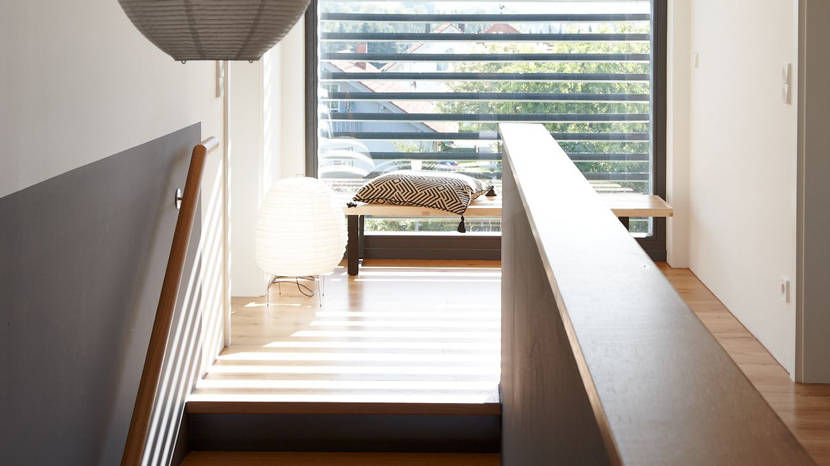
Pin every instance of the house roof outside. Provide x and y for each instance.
(405, 106)
(444, 28)
(501, 28)
(414, 106)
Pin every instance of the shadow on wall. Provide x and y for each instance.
(196, 335)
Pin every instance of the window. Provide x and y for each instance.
(325, 91)
(427, 83)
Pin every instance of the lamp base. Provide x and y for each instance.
(302, 288)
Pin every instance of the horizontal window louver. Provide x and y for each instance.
(423, 85)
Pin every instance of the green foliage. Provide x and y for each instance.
(492, 170)
(487, 225)
(570, 87)
(406, 146)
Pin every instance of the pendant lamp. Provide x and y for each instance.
(214, 29)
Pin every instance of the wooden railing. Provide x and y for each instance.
(602, 361)
(151, 375)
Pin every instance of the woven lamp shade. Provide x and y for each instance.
(214, 29)
(301, 229)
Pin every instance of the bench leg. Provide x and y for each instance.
(353, 245)
(361, 237)
(625, 222)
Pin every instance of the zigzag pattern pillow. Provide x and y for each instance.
(451, 192)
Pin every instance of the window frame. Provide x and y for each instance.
(488, 247)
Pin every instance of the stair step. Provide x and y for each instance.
(217, 458)
(270, 395)
(257, 426)
(265, 407)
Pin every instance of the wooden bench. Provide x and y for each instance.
(624, 206)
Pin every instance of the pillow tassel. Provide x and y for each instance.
(461, 227)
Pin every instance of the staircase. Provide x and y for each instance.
(254, 433)
(364, 379)
(398, 367)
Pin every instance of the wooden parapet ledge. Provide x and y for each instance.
(602, 361)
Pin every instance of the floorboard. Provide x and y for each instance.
(805, 408)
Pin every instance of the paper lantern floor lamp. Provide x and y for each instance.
(300, 232)
(214, 29)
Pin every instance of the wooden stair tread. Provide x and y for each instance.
(365, 372)
(216, 458)
(264, 407)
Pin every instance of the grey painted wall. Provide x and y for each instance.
(813, 292)
(82, 257)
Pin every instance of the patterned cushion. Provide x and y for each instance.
(451, 192)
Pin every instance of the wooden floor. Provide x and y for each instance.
(338, 459)
(400, 332)
(804, 408)
(428, 332)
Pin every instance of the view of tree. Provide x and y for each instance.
(553, 108)
(631, 164)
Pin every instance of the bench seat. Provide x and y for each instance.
(623, 205)
(482, 207)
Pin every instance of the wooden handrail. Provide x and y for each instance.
(151, 375)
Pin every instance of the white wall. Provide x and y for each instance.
(742, 163)
(246, 122)
(79, 83)
(268, 143)
(292, 87)
(678, 79)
